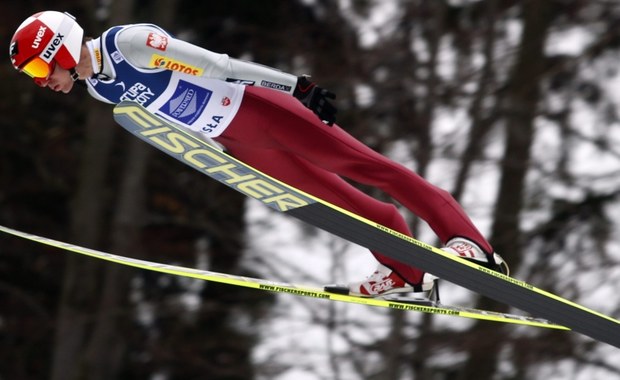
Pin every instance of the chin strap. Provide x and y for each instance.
(74, 74)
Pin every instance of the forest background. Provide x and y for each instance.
(512, 105)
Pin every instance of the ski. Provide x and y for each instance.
(399, 303)
(190, 149)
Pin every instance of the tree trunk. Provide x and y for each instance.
(81, 349)
(80, 287)
(519, 109)
(106, 346)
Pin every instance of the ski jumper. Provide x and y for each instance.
(249, 109)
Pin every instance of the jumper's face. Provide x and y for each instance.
(60, 80)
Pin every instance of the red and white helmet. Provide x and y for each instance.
(44, 40)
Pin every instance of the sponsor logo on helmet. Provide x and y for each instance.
(52, 47)
(157, 41)
(13, 51)
(162, 62)
(39, 37)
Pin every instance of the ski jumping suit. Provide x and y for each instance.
(250, 110)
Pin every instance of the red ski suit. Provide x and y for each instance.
(276, 134)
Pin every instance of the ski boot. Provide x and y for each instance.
(385, 282)
(470, 251)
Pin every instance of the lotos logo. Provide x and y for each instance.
(39, 37)
(98, 57)
(157, 41)
(159, 61)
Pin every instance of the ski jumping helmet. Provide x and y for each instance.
(44, 40)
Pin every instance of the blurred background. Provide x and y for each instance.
(512, 105)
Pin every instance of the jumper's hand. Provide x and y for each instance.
(316, 99)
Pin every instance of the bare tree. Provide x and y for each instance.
(519, 106)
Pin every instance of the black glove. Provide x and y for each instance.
(316, 99)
